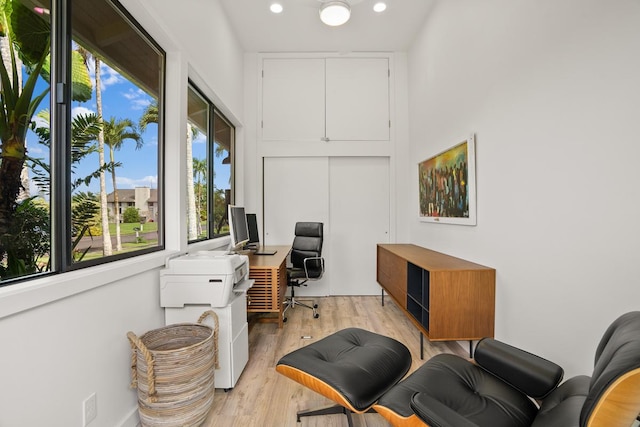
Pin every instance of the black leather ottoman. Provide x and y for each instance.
(352, 367)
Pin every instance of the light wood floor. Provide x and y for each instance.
(264, 398)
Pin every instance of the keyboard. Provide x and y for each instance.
(265, 252)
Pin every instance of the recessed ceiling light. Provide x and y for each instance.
(275, 7)
(380, 7)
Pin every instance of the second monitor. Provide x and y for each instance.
(252, 225)
(254, 237)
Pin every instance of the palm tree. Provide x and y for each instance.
(150, 115)
(107, 249)
(84, 132)
(27, 36)
(192, 217)
(200, 176)
(85, 208)
(115, 133)
(85, 213)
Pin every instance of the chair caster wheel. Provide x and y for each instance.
(315, 316)
(315, 305)
(284, 320)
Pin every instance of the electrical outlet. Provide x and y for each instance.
(89, 409)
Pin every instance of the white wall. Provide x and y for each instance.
(550, 88)
(64, 337)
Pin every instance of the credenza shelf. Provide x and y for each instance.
(446, 298)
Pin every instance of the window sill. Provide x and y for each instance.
(34, 293)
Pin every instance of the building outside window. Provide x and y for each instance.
(65, 170)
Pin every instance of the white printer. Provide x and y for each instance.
(209, 280)
(204, 277)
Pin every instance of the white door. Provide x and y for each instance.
(296, 189)
(359, 215)
(350, 195)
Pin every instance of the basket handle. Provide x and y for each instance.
(136, 343)
(216, 328)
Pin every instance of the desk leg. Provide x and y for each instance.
(281, 316)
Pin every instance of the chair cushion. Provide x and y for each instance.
(353, 367)
(296, 273)
(562, 407)
(464, 387)
(531, 374)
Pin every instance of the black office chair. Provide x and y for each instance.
(306, 262)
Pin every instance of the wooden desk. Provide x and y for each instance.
(269, 273)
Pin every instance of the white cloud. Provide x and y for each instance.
(132, 94)
(40, 122)
(76, 111)
(138, 99)
(151, 142)
(200, 138)
(36, 149)
(109, 76)
(147, 181)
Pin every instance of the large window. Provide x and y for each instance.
(80, 136)
(210, 141)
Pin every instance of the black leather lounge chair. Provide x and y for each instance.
(503, 387)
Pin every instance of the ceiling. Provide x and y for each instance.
(298, 27)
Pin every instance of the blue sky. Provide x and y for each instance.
(122, 99)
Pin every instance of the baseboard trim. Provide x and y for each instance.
(131, 420)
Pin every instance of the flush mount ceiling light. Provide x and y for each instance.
(276, 7)
(334, 13)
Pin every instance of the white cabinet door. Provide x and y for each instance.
(307, 99)
(293, 104)
(357, 99)
(296, 189)
(359, 215)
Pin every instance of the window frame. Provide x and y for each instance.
(60, 105)
(212, 111)
(137, 27)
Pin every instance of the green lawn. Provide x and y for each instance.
(128, 228)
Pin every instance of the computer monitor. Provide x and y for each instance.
(254, 235)
(238, 227)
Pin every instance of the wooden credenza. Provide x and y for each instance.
(447, 298)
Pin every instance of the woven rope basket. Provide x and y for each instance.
(173, 369)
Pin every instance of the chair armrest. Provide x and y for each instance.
(313, 258)
(436, 414)
(531, 374)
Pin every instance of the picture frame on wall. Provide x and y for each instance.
(447, 185)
